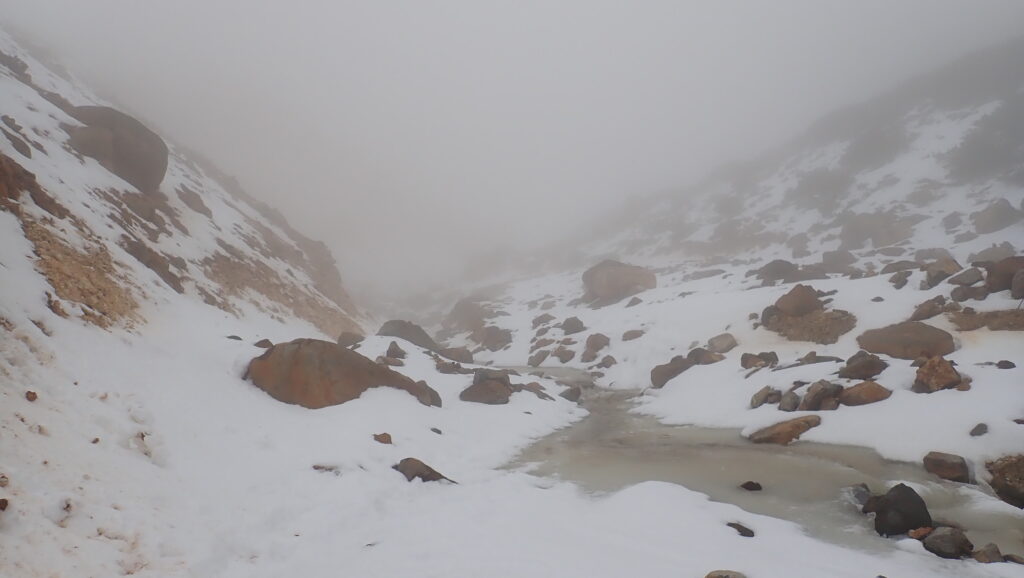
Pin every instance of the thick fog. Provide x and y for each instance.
(414, 136)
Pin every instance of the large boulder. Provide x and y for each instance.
(934, 375)
(996, 217)
(410, 332)
(907, 340)
(898, 511)
(786, 432)
(1000, 273)
(489, 387)
(609, 281)
(821, 395)
(863, 394)
(1008, 479)
(862, 365)
(122, 144)
(799, 301)
(315, 374)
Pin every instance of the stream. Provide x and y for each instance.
(805, 483)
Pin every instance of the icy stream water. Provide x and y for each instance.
(613, 448)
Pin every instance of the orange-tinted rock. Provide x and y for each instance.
(936, 374)
(413, 468)
(315, 374)
(864, 393)
(786, 432)
(382, 438)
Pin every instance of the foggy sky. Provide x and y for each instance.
(412, 135)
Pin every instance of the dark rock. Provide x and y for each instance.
(538, 358)
(898, 511)
(947, 542)
(412, 469)
(751, 486)
(899, 280)
(572, 394)
(786, 432)
(979, 430)
(408, 331)
(818, 393)
(264, 344)
(863, 394)
(488, 389)
(573, 325)
(460, 354)
(234, 338)
(609, 281)
(862, 365)
(741, 529)
(907, 340)
(766, 394)
(315, 374)
(967, 277)
(722, 343)
(790, 401)
(1013, 558)
(1000, 274)
(394, 351)
(1008, 479)
(1005, 364)
(632, 334)
(701, 356)
(634, 302)
(382, 438)
(936, 374)
(877, 299)
(542, 319)
(661, 374)
(947, 466)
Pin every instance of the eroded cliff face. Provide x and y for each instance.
(117, 219)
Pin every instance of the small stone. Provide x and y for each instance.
(435, 430)
(572, 394)
(979, 430)
(988, 554)
(751, 486)
(766, 394)
(3, 504)
(1005, 364)
(725, 574)
(413, 468)
(920, 533)
(382, 438)
(4, 480)
(741, 529)
(722, 343)
(947, 542)
(264, 344)
(234, 337)
(31, 395)
(947, 466)
(877, 299)
(790, 401)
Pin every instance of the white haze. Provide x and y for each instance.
(415, 136)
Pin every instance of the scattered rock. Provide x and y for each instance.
(988, 554)
(661, 374)
(264, 344)
(929, 308)
(234, 338)
(701, 356)
(948, 542)
(489, 387)
(907, 340)
(899, 280)
(722, 343)
(995, 217)
(863, 365)
(1008, 479)
(412, 469)
(1005, 364)
(542, 319)
(31, 395)
(634, 302)
(632, 334)
(460, 354)
(1000, 273)
(818, 326)
(610, 281)
(962, 293)
(408, 331)
(607, 361)
(799, 301)
(947, 466)
(766, 394)
(967, 277)
(492, 337)
(763, 359)
(818, 394)
(564, 354)
(790, 401)
(538, 358)
(898, 511)
(936, 374)
(979, 430)
(315, 374)
(382, 438)
(573, 393)
(573, 325)
(4, 503)
(394, 351)
(741, 529)
(435, 430)
(751, 486)
(877, 299)
(348, 339)
(786, 432)
(389, 361)
(864, 393)
(939, 271)
(725, 574)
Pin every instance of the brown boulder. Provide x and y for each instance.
(863, 394)
(607, 361)
(819, 326)
(786, 432)
(948, 542)
(493, 337)
(799, 301)
(947, 466)
(489, 387)
(766, 394)
(382, 438)
(967, 277)
(122, 144)
(862, 365)
(1000, 274)
(821, 395)
(632, 334)
(460, 354)
(1008, 479)
(597, 342)
(542, 319)
(936, 374)
(538, 358)
(609, 281)
(661, 374)
(722, 343)
(907, 340)
(939, 271)
(412, 469)
(573, 325)
(408, 331)
(394, 351)
(899, 280)
(564, 354)
(315, 374)
(929, 308)
(348, 339)
(996, 217)
(701, 356)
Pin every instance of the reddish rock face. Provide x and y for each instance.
(610, 281)
(315, 374)
(907, 340)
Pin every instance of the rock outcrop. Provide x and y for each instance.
(410, 332)
(122, 144)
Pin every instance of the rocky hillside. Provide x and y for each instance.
(103, 220)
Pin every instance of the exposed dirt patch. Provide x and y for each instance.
(818, 326)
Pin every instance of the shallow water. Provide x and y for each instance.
(804, 483)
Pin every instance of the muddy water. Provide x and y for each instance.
(613, 448)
